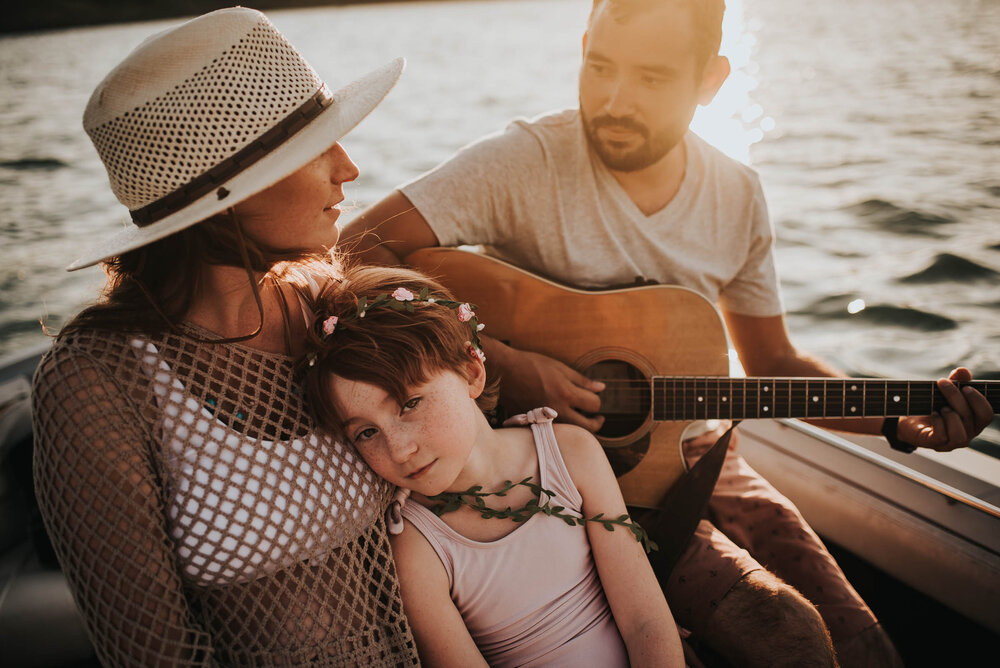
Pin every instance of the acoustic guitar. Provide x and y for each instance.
(663, 354)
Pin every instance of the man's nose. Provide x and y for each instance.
(620, 101)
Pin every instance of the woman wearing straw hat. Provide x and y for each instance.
(198, 515)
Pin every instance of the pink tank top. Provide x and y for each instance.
(533, 597)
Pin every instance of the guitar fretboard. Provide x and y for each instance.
(711, 397)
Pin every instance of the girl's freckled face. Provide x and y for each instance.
(422, 445)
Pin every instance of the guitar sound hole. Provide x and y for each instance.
(625, 399)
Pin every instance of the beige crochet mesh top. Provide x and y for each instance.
(199, 516)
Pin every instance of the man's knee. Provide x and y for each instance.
(764, 622)
(871, 648)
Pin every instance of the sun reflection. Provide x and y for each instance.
(856, 306)
(733, 122)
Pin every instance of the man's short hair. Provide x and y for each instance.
(706, 15)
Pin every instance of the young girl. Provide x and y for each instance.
(396, 369)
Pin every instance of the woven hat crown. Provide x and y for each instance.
(191, 97)
(200, 117)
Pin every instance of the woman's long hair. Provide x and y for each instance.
(150, 289)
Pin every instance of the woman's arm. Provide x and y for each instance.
(101, 502)
(440, 632)
(636, 601)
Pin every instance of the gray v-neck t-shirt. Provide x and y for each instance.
(537, 196)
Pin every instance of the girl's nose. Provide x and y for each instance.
(402, 446)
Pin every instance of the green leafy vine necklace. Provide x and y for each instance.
(474, 498)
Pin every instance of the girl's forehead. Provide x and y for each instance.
(357, 397)
(357, 400)
(356, 393)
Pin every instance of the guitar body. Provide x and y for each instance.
(622, 335)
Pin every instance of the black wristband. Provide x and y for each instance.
(890, 428)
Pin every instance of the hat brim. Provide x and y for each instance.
(350, 106)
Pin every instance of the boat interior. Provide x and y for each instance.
(917, 534)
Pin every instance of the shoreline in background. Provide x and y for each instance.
(44, 15)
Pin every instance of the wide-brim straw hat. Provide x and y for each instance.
(201, 116)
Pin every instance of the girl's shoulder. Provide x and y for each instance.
(576, 443)
(582, 454)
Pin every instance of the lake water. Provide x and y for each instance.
(875, 127)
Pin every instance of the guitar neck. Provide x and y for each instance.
(719, 397)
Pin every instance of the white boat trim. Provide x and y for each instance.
(929, 519)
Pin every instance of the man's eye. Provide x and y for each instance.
(599, 69)
(411, 404)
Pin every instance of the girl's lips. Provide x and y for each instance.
(420, 472)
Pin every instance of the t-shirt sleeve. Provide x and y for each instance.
(472, 197)
(755, 290)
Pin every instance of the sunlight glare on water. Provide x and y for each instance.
(733, 122)
(873, 126)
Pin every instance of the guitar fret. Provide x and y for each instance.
(739, 402)
(778, 395)
(813, 395)
(897, 398)
(852, 399)
(703, 398)
(707, 397)
(727, 400)
(874, 397)
(833, 400)
(793, 398)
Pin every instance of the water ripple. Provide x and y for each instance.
(34, 164)
(834, 307)
(949, 267)
(892, 218)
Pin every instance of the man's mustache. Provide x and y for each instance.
(623, 123)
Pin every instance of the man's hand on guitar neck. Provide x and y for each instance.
(967, 414)
(530, 380)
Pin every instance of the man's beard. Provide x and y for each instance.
(650, 151)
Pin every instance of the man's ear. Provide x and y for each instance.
(713, 75)
(583, 43)
(476, 376)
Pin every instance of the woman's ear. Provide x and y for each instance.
(713, 75)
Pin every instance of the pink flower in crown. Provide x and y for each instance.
(465, 313)
(402, 295)
(330, 324)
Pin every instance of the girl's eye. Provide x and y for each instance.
(365, 434)
(411, 404)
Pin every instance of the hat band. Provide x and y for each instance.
(205, 183)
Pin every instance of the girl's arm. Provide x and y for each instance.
(440, 632)
(636, 601)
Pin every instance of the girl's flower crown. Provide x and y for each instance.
(403, 300)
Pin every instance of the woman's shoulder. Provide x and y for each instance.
(84, 351)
